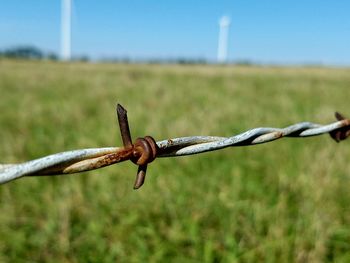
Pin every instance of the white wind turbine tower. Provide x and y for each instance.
(66, 29)
(224, 24)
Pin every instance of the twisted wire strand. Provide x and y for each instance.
(199, 144)
(89, 159)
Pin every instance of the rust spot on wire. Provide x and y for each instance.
(99, 162)
(278, 134)
(112, 158)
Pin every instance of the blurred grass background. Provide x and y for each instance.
(286, 201)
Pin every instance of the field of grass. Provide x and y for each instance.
(285, 201)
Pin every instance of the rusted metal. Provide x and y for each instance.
(140, 176)
(144, 150)
(342, 133)
(124, 126)
(99, 162)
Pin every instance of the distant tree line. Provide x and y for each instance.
(27, 52)
(34, 53)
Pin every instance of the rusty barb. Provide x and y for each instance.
(144, 150)
(341, 133)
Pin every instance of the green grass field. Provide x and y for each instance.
(285, 201)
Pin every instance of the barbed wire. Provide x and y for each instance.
(144, 150)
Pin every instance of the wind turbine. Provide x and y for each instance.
(66, 29)
(224, 24)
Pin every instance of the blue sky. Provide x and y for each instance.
(265, 31)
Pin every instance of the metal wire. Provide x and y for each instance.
(89, 159)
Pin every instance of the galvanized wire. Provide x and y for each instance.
(89, 159)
